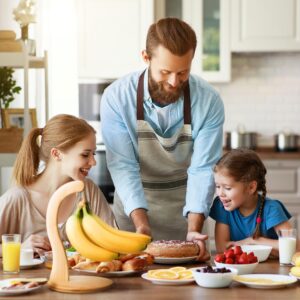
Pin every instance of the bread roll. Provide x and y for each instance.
(135, 264)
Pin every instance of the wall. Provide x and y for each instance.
(264, 94)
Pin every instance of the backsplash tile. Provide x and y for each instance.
(263, 95)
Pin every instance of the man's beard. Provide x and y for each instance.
(160, 95)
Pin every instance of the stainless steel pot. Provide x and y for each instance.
(237, 139)
(286, 142)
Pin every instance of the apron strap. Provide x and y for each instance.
(140, 101)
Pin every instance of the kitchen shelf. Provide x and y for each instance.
(21, 60)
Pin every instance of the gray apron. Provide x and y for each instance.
(163, 168)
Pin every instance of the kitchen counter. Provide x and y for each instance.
(270, 153)
(134, 287)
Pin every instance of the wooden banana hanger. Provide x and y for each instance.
(59, 278)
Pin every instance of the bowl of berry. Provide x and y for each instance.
(243, 262)
(214, 277)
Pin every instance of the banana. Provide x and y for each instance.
(108, 239)
(82, 244)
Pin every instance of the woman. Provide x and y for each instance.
(66, 146)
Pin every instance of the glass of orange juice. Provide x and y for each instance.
(11, 246)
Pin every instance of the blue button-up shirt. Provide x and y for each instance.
(119, 130)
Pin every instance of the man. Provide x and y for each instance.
(162, 128)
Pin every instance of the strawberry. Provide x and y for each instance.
(243, 258)
(229, 260)
(237, 250)
(229, 253)
(220, 258)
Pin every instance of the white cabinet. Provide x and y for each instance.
(265, 25)
(211, 21)
(283, 183)
(112, 34)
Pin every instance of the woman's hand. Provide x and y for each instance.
(38, 243)
(200, 239)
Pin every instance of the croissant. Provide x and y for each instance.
(86, 265)
(109, 266)
(75, 259)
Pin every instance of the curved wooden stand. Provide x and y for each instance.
(59, 278)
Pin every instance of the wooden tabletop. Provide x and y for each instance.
(134, 287)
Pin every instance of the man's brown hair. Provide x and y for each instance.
(173, 34)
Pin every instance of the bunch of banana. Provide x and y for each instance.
(82, 244)
(110, 238)
(98, 241)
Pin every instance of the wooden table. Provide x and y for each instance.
(137, 288)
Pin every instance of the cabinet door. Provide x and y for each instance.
(112, 34)
(265, 25)
(210, 20)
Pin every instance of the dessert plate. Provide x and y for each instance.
(167, 281)
(265, 281)
(36, 262)
(8, 282)
(109, 274)
(173, 260)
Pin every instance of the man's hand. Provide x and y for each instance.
(200, 239)
(38, 243)
(144, 230)
(140, 220)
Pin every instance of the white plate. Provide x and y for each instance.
(168, 281)
(109, 274)
(279, 281)
(6, 282)
(36, 262)
(173, 260)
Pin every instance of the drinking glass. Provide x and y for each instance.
(11, 245)
(287, 245)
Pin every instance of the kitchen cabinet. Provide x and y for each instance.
(265, 25)
(211, 21)
(283, 183)
(111, 36)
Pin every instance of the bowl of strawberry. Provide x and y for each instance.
(234, 257)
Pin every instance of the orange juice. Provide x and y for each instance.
(11, 256)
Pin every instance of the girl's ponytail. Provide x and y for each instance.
(256, 233)
(27, 162)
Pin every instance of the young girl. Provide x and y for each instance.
(243, 213)
(66, 145)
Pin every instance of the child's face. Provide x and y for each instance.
(77, 161)
(232, 193)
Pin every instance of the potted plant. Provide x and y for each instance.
(10, 138)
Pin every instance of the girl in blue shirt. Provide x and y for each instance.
(243, 213)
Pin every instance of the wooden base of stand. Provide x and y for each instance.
(81, 284)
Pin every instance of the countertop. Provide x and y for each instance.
(271, 153)
(136, 288)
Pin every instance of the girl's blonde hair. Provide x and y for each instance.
(61, 132)
(244, 165)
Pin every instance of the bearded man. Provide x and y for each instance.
(163, 130)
